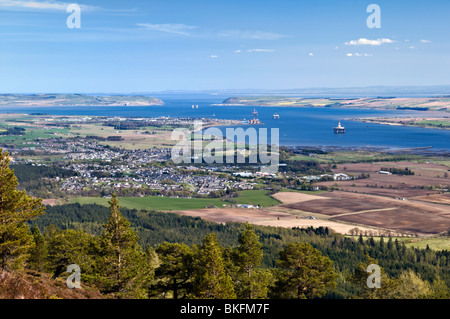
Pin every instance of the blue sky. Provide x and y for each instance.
(148, 46)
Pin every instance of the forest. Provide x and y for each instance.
(156, 228)
(123, 253)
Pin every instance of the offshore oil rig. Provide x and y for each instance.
(254, 119)
(339, 129)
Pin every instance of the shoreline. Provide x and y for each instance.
(444, 122)
(216, 122)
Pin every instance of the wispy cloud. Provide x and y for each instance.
(41, 5)
(358, 54)
(425, 41)
(176, 28)
(260, 50)
(183, 29)
(364, 41)
(257, 35)
(213, 56)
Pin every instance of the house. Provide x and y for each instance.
(246, 206)
(243, 174)
(341, 177)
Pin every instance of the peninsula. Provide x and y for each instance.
(439, 103)
(77, 100)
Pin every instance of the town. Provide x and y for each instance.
(89, 148)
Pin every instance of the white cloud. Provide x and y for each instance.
(176, 28)
(412, 47)
(40, 5)
(311, 54)
(359, 54)
(237, 51)
(260, 50)
(213, 56)
(364, 41)
(183, 29)
(425, 41)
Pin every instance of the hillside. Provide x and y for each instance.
(416, 104)
(77, 100)
(34, 285)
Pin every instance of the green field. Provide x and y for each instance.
(353, 157)
(440, 243)
(432, 123)
(31, 135)
(155, 202)
(255, 197)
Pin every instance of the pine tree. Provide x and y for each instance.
(174, 271)
(123, 268)
(360, 277)
(303, 272)
(16, 209)
(411, 286)
(70, 246)
(38, 254)
(211, 280)
(440, 290)
(250, 282)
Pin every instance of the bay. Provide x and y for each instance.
(297, 126)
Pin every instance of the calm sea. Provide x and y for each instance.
(297, 126)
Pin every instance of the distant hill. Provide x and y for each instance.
(438, 103)
(77, 100)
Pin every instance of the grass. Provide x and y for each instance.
(433, 123)
(32, 134)
(255, 197)
(132, 140)
(436, 243)
(439, 243)
(155, 202)
(353, 157)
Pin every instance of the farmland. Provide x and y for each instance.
(420, 104)
(255, 197)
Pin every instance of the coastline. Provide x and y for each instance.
(439, 123)
(439, 146)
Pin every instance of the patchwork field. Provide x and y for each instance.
(132, 139)
(265, 217)
(422, 104)
(439, 199)
(428, 179)
(294, 197)
(377, 211)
